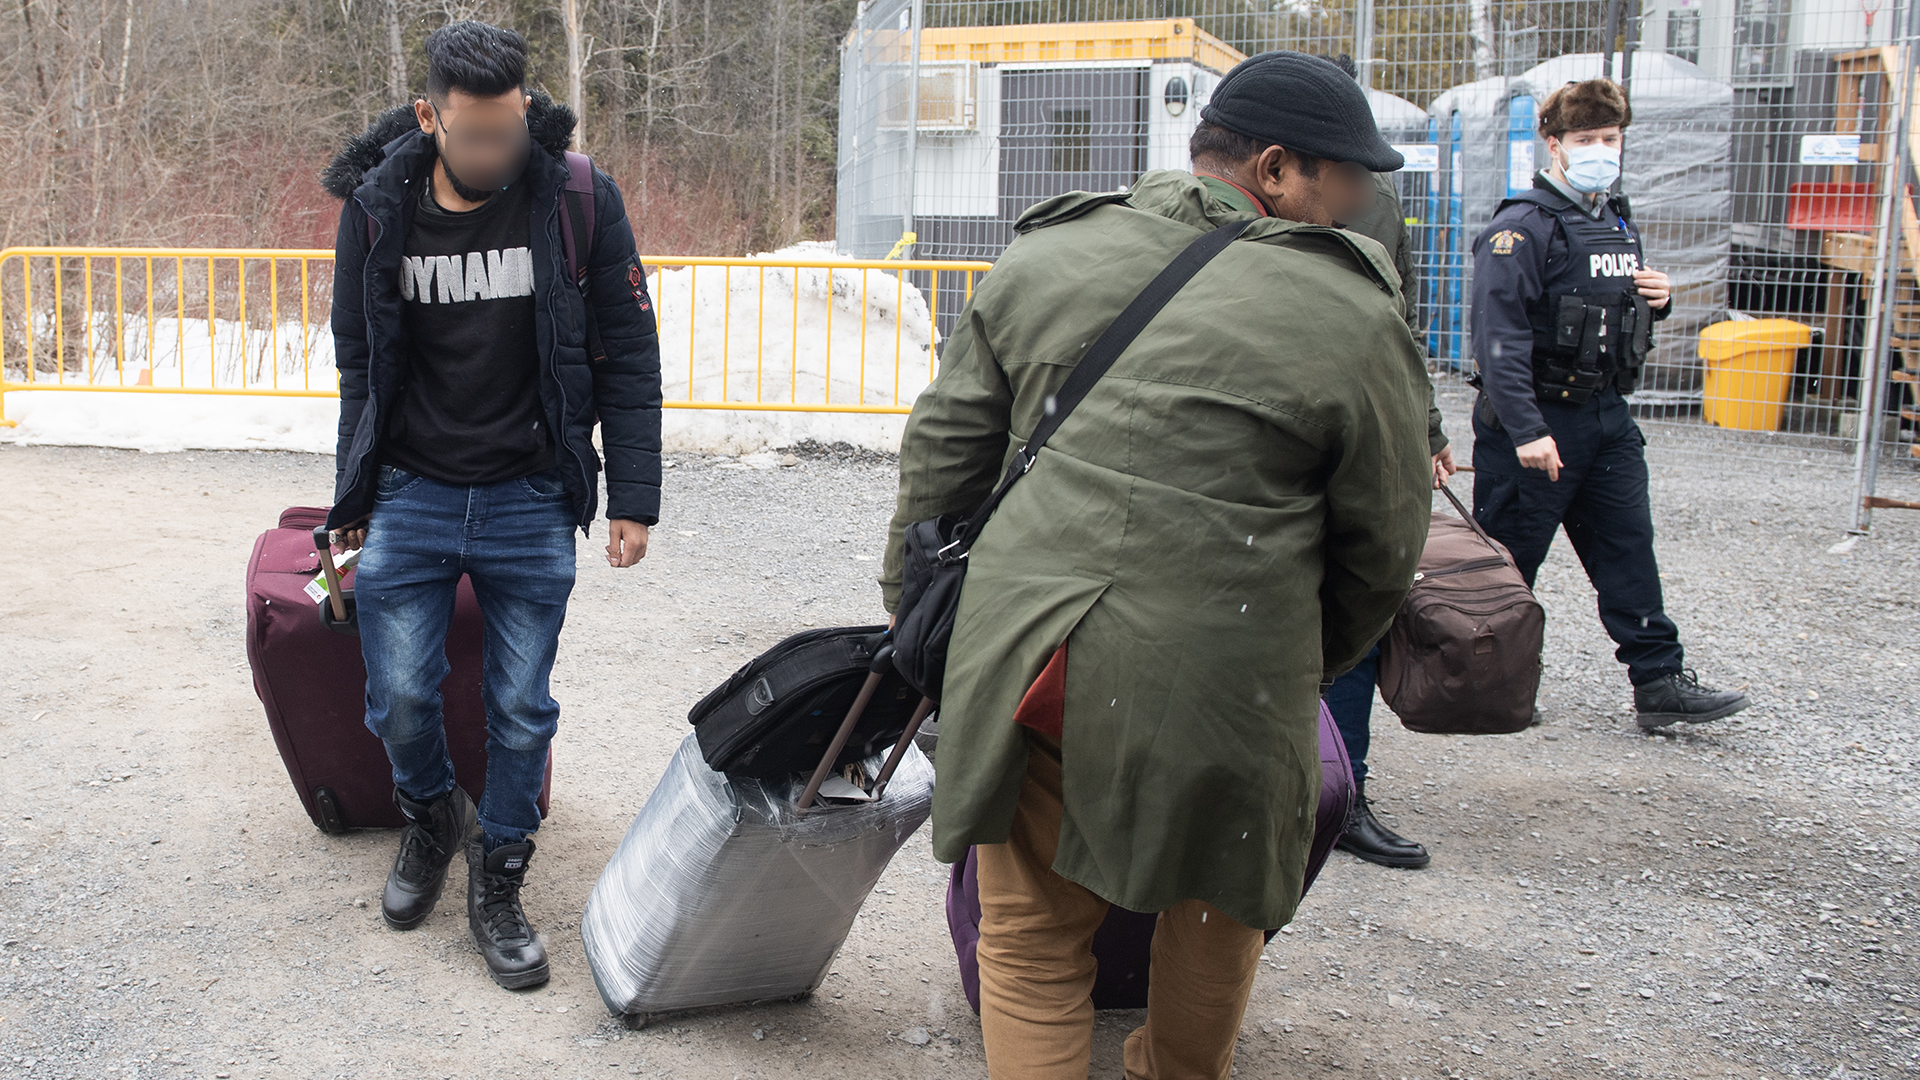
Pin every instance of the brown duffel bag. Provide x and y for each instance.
(1463, 654)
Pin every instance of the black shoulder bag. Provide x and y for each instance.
(936, 550)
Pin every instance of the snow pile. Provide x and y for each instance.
(827, 336)
(840, 336)
(197, 353)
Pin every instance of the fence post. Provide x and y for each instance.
(1363, 42)
(917, 16)
(1875, 354)
(4, 422)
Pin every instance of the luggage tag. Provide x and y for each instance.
(317, 588)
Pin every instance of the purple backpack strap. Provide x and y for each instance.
(577, 197)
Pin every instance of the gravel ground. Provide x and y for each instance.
(1734, 900)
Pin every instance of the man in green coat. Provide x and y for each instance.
(1229, 518)
(1350, 698)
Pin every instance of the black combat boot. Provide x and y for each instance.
(1680, 697)
(513, 951)
(434, 833)
(1366, 838)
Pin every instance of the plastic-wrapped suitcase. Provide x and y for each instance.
(1123, 943)
(724, 891)
(313, 683)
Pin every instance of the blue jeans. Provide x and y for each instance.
(515, 541)
(1350, 700)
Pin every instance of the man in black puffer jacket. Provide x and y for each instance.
(468, 398)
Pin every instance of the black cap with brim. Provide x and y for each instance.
(1303, 103)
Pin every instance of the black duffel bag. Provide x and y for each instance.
(936, 550)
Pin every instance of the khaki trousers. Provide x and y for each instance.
(1037, 967)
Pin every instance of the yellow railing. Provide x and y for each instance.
(769, 334)
(801, 335)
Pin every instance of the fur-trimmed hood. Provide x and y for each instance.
(550, 123)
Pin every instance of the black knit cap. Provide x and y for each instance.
(1303, 103)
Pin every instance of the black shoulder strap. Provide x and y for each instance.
(1551, 201)
(1562, 208)
(1124, 329)
(1119, 334)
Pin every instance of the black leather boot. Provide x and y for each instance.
(1366, 838)
(514, 954)
(1681, 698)
(434, 833)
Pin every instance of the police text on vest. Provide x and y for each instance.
(1613, 264)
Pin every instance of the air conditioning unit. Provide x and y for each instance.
(949, 98)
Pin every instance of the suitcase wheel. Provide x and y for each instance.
(636, 1021)
(327, 808)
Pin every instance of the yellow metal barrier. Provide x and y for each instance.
(771, 342)
(91, 319)
(754, 334)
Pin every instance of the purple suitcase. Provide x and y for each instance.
(313, 683)
(1123, 943)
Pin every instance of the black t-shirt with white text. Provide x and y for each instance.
(470, 413)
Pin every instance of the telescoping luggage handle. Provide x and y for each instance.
(876, 671)
(345, 619)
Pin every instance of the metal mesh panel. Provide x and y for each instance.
(1762, 148)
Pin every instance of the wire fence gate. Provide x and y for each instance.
(1769, 163)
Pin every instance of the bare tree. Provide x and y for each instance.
(396, 54)
(576, 65)
(206, 121)
(1486, 57)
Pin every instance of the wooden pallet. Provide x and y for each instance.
(1853, 252)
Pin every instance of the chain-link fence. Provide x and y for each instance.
(1763, 148)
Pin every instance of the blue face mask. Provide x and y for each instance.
(1592, 168)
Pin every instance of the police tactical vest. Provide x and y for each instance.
(1591, 326)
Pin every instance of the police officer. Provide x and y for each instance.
(1563, 313)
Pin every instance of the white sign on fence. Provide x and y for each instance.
(1829, 149)
(1520, 165)
(1421, 157)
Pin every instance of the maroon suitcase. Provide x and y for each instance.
(314, 685)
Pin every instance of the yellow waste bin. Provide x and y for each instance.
(1748, 367)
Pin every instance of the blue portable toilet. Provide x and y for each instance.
(1452, 346)
(1435, 240)
(1471, 119)
(1522, 118)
